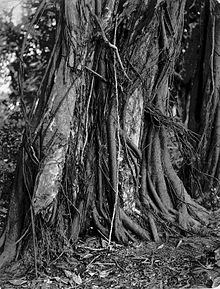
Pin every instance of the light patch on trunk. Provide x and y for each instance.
(48, 180)
(134, 115)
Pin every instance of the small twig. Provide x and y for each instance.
(96, 257)
(124, 270)
(135, 70)
(92, 249)
(57, 258)
(105, 264)
(104, 237)
(96, 74)
(23, 235)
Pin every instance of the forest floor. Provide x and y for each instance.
(185, 262)
(179, 263)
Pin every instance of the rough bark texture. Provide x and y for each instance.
(100, 132)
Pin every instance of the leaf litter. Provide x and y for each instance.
(178, 263)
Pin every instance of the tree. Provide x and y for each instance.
(95, 150)
(203, 103)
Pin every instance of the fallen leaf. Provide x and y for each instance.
(58, 279)
(161, 246)
(87, 255)
(91, 273)
(17, 282)
(103, 274)
(179, 243)
(73, 276)
(68, 273)
(104, 243)
(77, 279)
(72, 261)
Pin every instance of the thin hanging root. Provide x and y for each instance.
(130, 237)
(87, 119)
(34, 241)
(113, 46)
(76, 220)
(96, 74)
(183, 216)
(113, 153)
(133, 227)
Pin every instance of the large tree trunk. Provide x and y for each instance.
(202, 172)
(100, 127)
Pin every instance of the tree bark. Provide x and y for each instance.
(101, 132)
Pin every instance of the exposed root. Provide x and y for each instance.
(161, 206)
(97, 222)
(8, 255)
(180, 192)
(133, 226)
(153, 228)
(157, 171)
